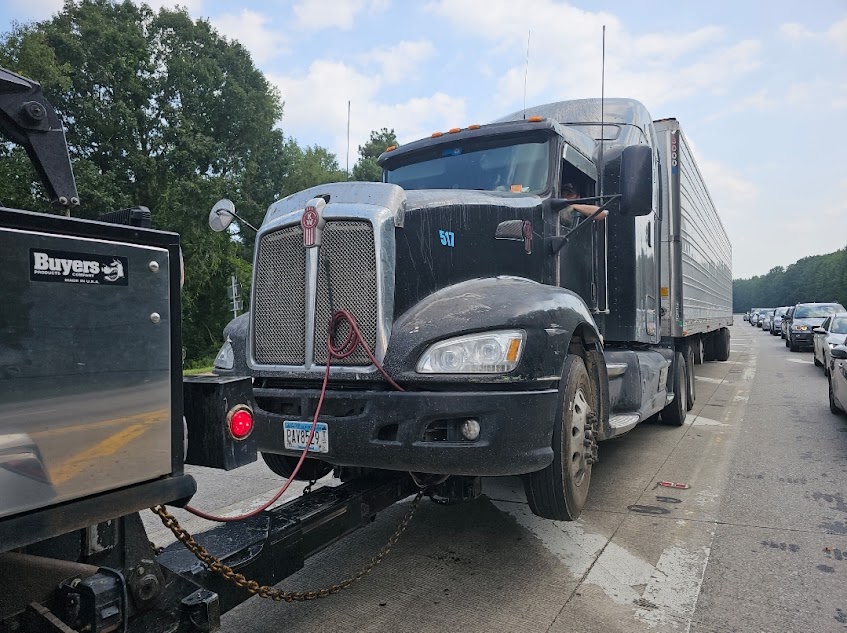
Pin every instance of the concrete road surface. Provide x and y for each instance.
(756, 542)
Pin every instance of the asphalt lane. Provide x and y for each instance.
(756, 541)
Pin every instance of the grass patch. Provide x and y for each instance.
(197, 371)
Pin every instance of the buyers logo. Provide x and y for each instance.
(77, 268)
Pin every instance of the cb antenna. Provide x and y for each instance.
(526, 72)
(602, 110)
(348, 139)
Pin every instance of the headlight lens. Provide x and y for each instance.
(226, 357)
(799, 328)
(489, 353)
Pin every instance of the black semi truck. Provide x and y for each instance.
(522, 332)
(94, 422)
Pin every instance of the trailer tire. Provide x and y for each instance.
(709, 347)
(674, 414)
(283, 465)
(559, 491)
(689, 367)
(721, 344)
(699, 351)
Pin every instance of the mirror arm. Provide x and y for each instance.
(558, 242)
(239, 218)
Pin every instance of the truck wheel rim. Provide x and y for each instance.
(579, 422)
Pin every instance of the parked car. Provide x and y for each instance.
(746, 316)
(786, 318)
(838, 379)
(767, 319)
(804, 318)
(832, 332)
(762, 314)
(754, 317)
(776, 323)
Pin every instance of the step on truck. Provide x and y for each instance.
(522, 327)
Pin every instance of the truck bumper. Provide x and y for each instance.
(418, 431)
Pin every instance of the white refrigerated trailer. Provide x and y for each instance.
(696, 270)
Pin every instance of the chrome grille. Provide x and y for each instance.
(279, 309)
(346, 280)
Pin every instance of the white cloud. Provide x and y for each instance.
(795, 31)
(646, 67)
(306, 107)
(322, 14)
(397, 63)
(837, 33)
(250, 28)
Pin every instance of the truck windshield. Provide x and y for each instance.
(812, 312)
(518, 167)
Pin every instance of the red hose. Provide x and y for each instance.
(351, 343)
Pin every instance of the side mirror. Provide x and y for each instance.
(839, 352)
(636, 180)
(819, 330)
(221, 216)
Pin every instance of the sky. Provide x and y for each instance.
(759, 87)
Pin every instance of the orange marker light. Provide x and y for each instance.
(437, 134)
(475, 126)
(390, 148)
(535, 119)
(514, 348)
(453, 130)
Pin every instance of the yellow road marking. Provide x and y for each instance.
(75, 465)
(147, 417)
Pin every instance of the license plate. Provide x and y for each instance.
(296, 434)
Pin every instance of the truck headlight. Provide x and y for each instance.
(488, 353)
(226, 357)
(799, 328)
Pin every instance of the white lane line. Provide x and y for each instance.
(661, 594)
(675, 585)
(799, 360)
(714, 381)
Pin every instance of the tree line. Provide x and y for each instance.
(162, 111)
(819, 278)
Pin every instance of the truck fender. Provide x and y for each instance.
(551, 317)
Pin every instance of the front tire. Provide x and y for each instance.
(832, 406)
(792, 346)
(283, 465)
(559, 491)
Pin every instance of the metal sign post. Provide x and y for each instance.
(233, 293)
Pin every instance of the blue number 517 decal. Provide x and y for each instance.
(448, 238)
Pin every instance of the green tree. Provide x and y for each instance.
(366, 168)
(817, 278)
(161, 111)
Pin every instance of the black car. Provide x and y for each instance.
(804, 318)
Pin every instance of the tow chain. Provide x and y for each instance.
(217, 566)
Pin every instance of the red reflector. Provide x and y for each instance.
(241, 423)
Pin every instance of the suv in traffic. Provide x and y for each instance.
(804, 318)
(776, 321)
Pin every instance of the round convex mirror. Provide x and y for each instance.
(221, 215)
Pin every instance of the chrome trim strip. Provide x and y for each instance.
(382, 220)
(616, 369)
(311, 281)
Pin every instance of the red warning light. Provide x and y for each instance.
(240, 422)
